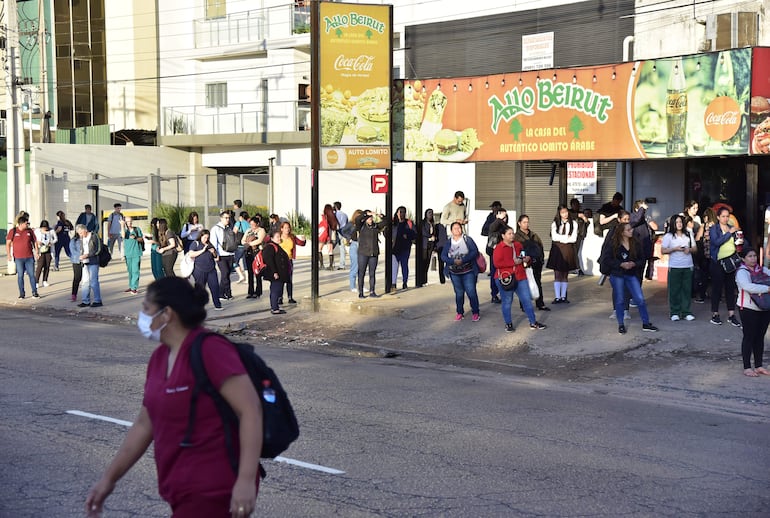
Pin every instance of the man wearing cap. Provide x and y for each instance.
(490, 218)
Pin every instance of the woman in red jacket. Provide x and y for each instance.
(510, 260)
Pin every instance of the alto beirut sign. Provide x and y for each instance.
(674, 107)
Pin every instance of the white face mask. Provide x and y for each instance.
(144, 321)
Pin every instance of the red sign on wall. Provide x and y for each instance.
(379, 183)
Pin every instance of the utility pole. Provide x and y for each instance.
(42, 40)
(14, 137)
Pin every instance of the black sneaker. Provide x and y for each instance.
(84, 305)
(509, 328)
(292, 301)
(733, 321)
(280, 301)
(361, 296)
(278, 312)
(373, 295)
(35, 295)
(544, 308)
(650, 327)
(537, 325)
(96, 304)
(496, 300)
(716, 320)
(700, 300)
(622, 329)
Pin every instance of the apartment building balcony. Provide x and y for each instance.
(254, 31)
(285, 122)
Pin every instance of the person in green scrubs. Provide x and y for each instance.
(133, 248)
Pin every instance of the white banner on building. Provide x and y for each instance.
(537, 51)
(582, 177)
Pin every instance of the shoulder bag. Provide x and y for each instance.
(730, 263)
(508, 278)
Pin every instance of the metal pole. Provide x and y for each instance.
(15, 178)
(419, 262)
(389, 233)
(315, 150)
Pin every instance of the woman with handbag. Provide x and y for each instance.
(46, 239)
(533, 248)
(724, 261)
(252, 241)
(459, 255)
(510, 260)
(622, 257)
(679, 243)
(167, 247)
(751, 280)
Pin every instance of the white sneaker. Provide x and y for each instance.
(626, 315)
(45, 284)
(689, 318)
(354, 290)
(674, 318)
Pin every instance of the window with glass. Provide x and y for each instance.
(216, 95)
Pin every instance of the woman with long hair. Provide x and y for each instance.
(533, 246)
(46, 239)
(167, 247)
(252, 241)
(156, 260)
(327, 236)
(562, 259)
(721, 246)
(353, 251)
(199, 480)
(402, 236)
(622, 258)
(289, 242)
(704, 243)
(191, 230)
(680, 245)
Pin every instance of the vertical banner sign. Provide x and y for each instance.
(355, 78)
(760, 102)
(581, 177)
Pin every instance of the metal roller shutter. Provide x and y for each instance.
(540, 200)
(495, 182)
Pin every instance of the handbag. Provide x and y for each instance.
(761, 300)
(481, 263)
(534, 291)
(11, 266)
(186, 266)
(731, 263)
(508, 280)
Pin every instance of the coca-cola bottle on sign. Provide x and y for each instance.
(676, 111)
(724, 85)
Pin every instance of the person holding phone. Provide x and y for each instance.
(679, 244)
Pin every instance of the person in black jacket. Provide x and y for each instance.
(403, 235)
(428, 233)
(368, 249)
(276, 269)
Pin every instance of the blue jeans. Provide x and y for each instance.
(353, 275)
(522, 291)
(27, 265)
(402, 259)
(465, 284)
(621, 283)
(93, 284)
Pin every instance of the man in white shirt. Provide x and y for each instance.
(114, 229)
(453, 211)
(226, 259)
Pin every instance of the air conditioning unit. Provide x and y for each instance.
(731, 30)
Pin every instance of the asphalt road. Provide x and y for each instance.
(412, 438)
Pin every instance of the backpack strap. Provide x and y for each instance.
(203, 383)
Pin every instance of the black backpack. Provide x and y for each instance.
(229, 240)
(280, 427)
(104, 255)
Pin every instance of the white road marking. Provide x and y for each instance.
(307, 465)
(100, 417)
(285, 460)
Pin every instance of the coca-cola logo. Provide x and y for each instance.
(722, 118)
(362, 63)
